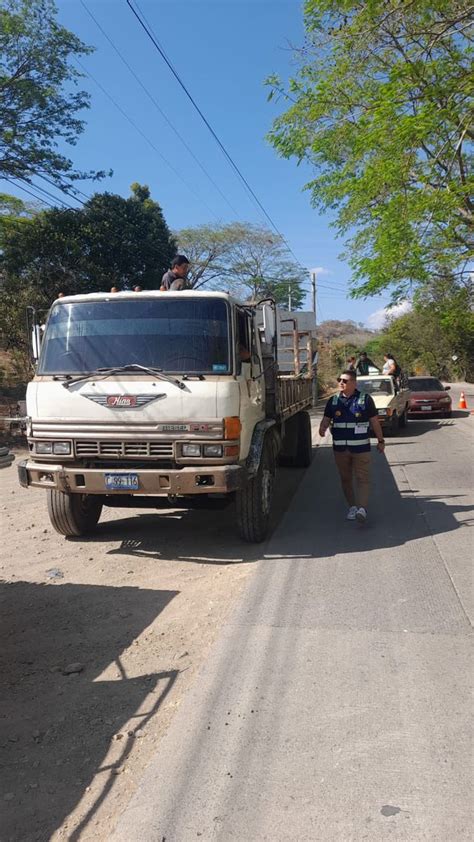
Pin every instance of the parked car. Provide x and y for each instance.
(428, 397)
(391, 400)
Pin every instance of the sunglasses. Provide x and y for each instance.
(343, 380)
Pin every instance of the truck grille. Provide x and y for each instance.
(88, 449)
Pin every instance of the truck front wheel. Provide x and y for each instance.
(73, 514)
(254, 501)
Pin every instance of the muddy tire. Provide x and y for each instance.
(304, 449)
(289, 448)
(254, 501)
(73, 514)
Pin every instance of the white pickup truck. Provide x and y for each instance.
(143, 396)
(391, 401)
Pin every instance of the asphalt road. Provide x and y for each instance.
(335, 705)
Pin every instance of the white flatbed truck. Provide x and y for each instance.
(143, 396)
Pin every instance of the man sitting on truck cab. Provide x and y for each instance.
(175, 278)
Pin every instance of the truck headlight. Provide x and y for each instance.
(44, 447)
(214, 450)
(62, 448)
(191, 450)
(59, 448)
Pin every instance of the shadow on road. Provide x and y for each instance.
(197, 535)
(317, 527)
(55, 729)
(313, 509)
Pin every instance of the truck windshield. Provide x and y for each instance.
(175, 335)
(377, 386)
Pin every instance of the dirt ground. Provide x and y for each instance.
(101, 638)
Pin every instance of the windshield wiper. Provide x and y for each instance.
(107, 372)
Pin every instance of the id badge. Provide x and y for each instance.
(361, 428)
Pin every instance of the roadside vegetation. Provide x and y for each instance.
(380, 107)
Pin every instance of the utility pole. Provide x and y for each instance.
(289, 298)
(313, 293)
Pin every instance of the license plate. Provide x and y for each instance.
(121, 482)
(426, 408)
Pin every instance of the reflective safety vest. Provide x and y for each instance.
(350, 424)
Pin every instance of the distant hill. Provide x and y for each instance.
(349, 332)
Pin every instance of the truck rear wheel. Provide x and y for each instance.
(297, 449)
(304, 449)
(254, 501)
(289, 447)
(73, 514)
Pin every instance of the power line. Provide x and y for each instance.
(341, 290)
(227, 155)
(158, 107)
(64, 190)
(144, 136)
(47, 193)
(30, 192)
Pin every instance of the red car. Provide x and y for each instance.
(428, 396)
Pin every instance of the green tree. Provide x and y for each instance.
(381, 108)
(39, 100)
(13, 211)
(111, 241)
(439, 327)
(248, 260)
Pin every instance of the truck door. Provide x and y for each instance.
(249, 371)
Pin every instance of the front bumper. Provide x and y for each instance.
(202, 479)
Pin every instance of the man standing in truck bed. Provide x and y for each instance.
(175, 278)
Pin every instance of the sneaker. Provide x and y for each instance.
(351, 514)
(361, 515)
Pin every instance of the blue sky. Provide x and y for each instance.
(223, 50)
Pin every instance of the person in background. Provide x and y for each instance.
(137, 289)
(350, 414)
(363, 364)
(175, 278)
(392, 368)
(113, 289)
(389, 366)
(351, 363)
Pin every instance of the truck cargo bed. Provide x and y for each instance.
(294, 394)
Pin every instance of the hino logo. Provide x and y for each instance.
(124, 401)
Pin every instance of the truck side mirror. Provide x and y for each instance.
(269, 326)
(36, 342)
